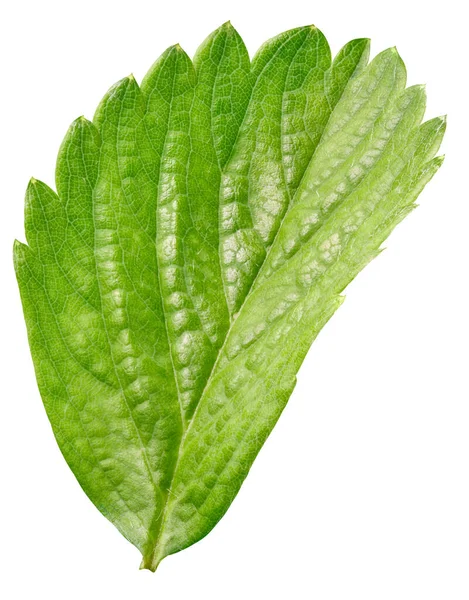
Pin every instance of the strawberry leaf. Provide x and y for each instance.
(204, 226)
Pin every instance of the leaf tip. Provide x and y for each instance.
(179, 54)
(19, 253)
(394, 52)
(228, 28)
(17, 245)
(80, 121)
(364, 43)
(33, 188)
(418, 90)
(179, 51)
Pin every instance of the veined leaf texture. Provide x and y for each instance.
(204, 226)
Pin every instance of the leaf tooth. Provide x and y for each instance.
(80, 122)
(430, 135)
(226, 27)
(345, 56)
(173, 60)
(76, 165)
(278, 40)
(21, 252)
(42, 209)
(113, 96)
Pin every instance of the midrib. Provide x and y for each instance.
(154, 558)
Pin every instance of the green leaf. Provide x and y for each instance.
(203, 229)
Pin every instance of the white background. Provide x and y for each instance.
(362, 490)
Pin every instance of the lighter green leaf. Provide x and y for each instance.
(203, 229)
